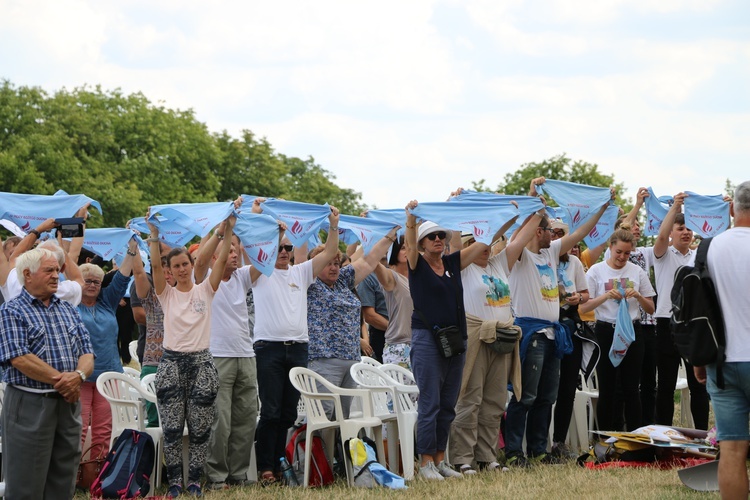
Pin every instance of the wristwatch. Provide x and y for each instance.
(82, 374)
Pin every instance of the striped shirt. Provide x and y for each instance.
(54, 333)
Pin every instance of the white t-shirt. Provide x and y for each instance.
(602, 278)
(70, 291)
(533, 284)
(664, 269)
(571, 277)
(230, 330)
(187, 317)
(281, 304)
(729, 266)
(487, 289)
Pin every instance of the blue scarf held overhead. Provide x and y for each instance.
(259, 235)
(604, 228)
(107, 242)
(482, 220)
(27, 211)
(706, 216)
(170, 232)
(656, 210)
(361, 229)
(563, 339)
(198, 218)
(578, 201)
(302, 220)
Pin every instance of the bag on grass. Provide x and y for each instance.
(368, 472)
(127, 469)
(88, 471)
(624, 451)
(321, 473)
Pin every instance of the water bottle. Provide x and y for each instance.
(287, 473)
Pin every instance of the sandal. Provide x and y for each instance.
(267, 478)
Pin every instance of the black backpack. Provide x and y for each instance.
(127, 468)
(697, 323)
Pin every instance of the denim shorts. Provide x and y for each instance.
(731, 404)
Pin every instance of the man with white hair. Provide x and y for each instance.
(46, 353)
(728, 262)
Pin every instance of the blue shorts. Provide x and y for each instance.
(731, 404)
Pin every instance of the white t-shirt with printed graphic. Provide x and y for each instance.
(533, 284)
(602, 278)
(487, 289)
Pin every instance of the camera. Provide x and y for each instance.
(71, 227)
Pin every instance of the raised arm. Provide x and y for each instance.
(639, 200)
(470, 253)
(76, 244)
(206, 252)
(142, 285)
(572, 239)
(524, 235)
(662, 239)
(364, 266)
(410, 235)
(27, 243)
(385, 277)
(221, 260)
(332, 243)
(130, 256)
(157, 273)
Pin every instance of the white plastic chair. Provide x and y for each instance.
(590, 391)
(133, 350)
(124, 396)
(371, 361)
(406, 392)
(131, 372)
(382, 389)
(307, 382)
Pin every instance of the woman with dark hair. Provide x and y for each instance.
(605, 280)
(395, 282)
(437, 293)
(186, 381)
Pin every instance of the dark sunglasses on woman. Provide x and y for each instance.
(288, 248)
(439, 234)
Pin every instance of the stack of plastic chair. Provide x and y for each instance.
(589, 392)
(686, 415)
(315, 389)
(406, 392)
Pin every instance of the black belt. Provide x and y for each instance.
(282, 342)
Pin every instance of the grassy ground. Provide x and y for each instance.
(563, 481)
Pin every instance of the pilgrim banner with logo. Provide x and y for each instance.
(302, 220)
(259, 235)
(482, 220)
(706, 216)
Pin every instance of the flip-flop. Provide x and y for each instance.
(267, 478)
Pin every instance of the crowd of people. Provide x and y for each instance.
(222, 337)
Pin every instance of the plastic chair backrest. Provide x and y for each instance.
(371, 361)
(123, 394)
(369, 377)
(306, 382)
(148, 384)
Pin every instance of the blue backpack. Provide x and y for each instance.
(126, 470)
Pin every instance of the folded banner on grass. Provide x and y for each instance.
(303, 220)
(259, 235)
(706, 216)
(656, 210)
(198, 218)
(480, 219)
(27, 211)
(363, 230)
(578, 201)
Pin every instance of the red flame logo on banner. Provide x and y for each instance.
(296, 228)
(26, 226)
(577, 217)
(594, 233)
(364, 239)
(478, 232)
(262, 256)
(707, 227)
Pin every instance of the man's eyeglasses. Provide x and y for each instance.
(93, 282)
(547, 229)
(439, 234)
(288, 248)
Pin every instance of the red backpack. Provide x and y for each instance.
(320, 470)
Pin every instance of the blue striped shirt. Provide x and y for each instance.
(54, 333)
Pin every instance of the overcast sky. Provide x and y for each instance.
(413, 98)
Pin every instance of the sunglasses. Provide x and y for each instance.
(439, 234)
(288, 248)
(93, 282)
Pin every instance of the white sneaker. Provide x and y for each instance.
(494, 466)
(446, 471)
(467, 470)
(430, 473)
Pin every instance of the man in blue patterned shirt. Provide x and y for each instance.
(46, 353)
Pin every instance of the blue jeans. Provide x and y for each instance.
(278, 398)
(731, 404)
(439, 382)
(540, 377)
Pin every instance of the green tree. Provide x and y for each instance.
(128, 153)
